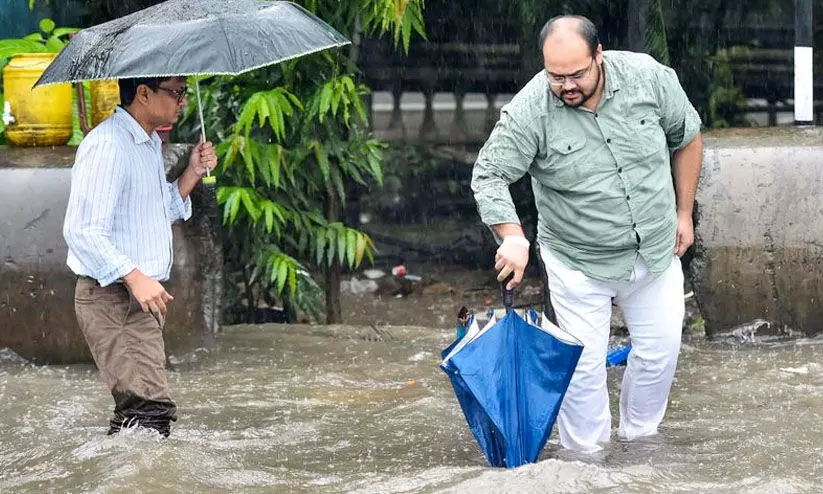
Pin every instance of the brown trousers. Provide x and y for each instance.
(127, 346)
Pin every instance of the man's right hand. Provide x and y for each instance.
(149, 293)
(512, 257)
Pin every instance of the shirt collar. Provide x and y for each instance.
(135, 129)
(612, 79)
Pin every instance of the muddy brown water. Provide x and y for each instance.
(362, 409)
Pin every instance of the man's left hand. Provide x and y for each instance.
(203, 158)
(685, 234)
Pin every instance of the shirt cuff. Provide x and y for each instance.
(496, 215)
(181, 209)
(125, 267)
(691, 127)
(496, 211)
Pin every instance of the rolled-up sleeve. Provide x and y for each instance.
(504, 159)
(679, 119)
(98, 180)
(179, 209)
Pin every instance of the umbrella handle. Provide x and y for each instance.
(508, 295)
(208, 179)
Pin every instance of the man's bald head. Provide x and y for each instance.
(571, 25)
(573, 58)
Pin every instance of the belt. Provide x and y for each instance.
(97, 283)
(88, 278)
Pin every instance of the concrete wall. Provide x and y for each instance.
(758, 252)
(759, 236)
(37, 289)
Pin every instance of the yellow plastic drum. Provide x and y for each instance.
(43, 115)
(105, 96)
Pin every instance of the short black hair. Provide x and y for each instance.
(586, 29)
(128, 87)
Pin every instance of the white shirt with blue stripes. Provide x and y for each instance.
(121, 207)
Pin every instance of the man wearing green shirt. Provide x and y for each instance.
(613, 149)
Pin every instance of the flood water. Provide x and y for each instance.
(314, 409)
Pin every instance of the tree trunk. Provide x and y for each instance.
(250, 316)
(718, 20)
(333, 312)
(636, 35)
(289, 310)
(354, 48)
(646, 30)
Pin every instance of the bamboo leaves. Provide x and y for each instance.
(292, 140)
(340, 94)
(348, 245)
(268, 106)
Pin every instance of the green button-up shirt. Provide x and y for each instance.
(602, 180)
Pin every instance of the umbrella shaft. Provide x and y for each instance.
(200, 113)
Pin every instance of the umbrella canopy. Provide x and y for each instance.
(192, 37)
(510, 378)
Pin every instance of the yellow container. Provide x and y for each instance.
(43, 115)
(105, 96)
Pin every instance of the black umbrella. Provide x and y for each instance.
(192, 37)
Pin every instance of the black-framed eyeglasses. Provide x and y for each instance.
(577, 77)
(180, 94)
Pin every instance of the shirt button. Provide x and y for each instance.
(596, 115)
(628, 198)
(608, 141)
(634, 225)
(620, 170)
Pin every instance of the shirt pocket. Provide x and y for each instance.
(646, 132)
(565, 163)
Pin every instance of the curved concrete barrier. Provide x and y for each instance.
(759, 233)
(36, 287)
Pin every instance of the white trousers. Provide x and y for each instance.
(653, 307)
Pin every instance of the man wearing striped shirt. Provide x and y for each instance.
(118, 230)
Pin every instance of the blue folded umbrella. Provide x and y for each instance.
(510, 378)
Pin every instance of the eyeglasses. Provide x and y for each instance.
(180, 94)
(577, 77)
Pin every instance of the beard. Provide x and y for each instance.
(574, 98)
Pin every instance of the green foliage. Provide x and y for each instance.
(335, 240)
(77, 130)
(292, 139)
(276, 269)
(272, 106)
(725, 98)
(50, 39)
(657, 44)
(282, 156)
(401, 17)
